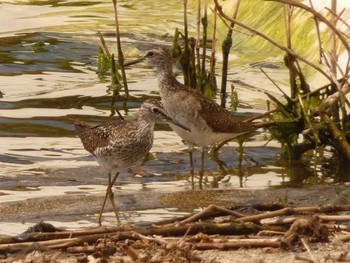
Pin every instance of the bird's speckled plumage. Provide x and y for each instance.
(119, 144)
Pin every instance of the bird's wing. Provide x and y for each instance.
(219, 119)
(97, 136)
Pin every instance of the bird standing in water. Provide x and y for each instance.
(209, 123)
(119, 144)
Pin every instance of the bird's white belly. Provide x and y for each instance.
(200, 136)
(186, 111)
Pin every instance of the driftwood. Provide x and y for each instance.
(238, 243)
(288, 228)
(68, 239)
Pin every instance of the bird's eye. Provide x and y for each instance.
(150, 54)
(155, 110)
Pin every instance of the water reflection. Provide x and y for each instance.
(35, 53)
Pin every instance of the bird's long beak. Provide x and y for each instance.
(134, 61)
(169, 119)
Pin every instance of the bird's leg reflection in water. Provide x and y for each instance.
(224, 169)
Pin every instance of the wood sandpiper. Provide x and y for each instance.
(119, 144)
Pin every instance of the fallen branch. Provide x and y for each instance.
(345, 238)
(239, 243)
(210, 211)
(188, 235)
(295, 210)
(207, 228)
(50, 244)
(291, 219)
(37, 236)
(309, 251)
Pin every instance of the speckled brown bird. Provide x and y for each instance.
(209, 123)
(119, 144)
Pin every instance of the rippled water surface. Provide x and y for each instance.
(48, 76)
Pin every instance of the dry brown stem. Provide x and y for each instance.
(303, 259)
(239, 243)
(131, 252)
(309, 251)
(319, 17)
(324, 218)
(273, 82)
(50, 244)
(119, 48)
(345, 238)
(272, 41)
(328, 218)
(296, 210)
(210, 211)
(337, 134)
(81, 249)
(338, 16)
(334, 98)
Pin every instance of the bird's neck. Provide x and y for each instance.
(166, 80)
(144, 120)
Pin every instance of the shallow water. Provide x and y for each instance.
(48, 64)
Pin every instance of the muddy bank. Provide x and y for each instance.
(197, 239)
(144, 206)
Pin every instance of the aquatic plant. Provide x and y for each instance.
(106, 61)
(320, 115)
(191, 52)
